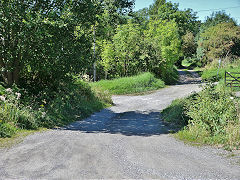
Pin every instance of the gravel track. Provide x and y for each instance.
(126, 141)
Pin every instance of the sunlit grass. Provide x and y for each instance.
(130, 85)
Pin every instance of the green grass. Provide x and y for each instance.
(211, 73)
(130, 85)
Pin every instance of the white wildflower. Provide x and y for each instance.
(18, 95)
(43, 114)
(9, 90)
(232, 98)
(2, 98)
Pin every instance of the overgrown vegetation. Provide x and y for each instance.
(129, 85)
(70, 103)
(209, 117)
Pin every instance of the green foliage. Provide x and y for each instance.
(73, 102)
(11, 111)
(220, 41)
(189, 45)
(134, 50)
(215, 40)
(186, 19)
(190, 63)
(127, 85)
(212, 116)
(127, 44)
(2, 90)
(217, 18)
(40, 42)
(7, 130)
(212, 109)
(119, 56)
(163, 39)
(174, 113)
(70, 103)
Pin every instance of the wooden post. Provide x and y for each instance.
(225, 78)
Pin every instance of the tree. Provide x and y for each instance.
(123, 53)
(163, 38)
(189, 45)
(220, 41)
(217, 18)
(186, 19)
(40, 41)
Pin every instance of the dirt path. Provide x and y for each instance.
(127, 141)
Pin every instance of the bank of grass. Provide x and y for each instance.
(19, 112)
(212, 74)
(130, 85)
(210, 117)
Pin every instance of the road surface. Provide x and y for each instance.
(126, 141)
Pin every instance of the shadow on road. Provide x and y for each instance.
(128, 123)
(188, 77)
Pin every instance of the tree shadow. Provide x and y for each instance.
(188, 78)
(131, 123)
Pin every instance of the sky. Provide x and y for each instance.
(205, 7)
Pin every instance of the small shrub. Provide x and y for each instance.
(11, 111)
(7, 130)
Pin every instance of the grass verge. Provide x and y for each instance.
(212, 74)
(209, 117)
(22, 116)
(17, 137)
(130, 85)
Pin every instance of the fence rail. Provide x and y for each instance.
(232, 79)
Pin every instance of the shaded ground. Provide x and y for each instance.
(127, 140)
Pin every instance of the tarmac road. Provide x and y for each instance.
(126, 141)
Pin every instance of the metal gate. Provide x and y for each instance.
(232, 79)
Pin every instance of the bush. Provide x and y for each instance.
(127, 85)
(11, 111)
(212, 109)
(7, 130)
(73, 102)
(214, 117)
(208, 117)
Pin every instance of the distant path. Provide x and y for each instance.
(127, 141)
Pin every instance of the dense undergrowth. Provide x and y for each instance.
(209, 117)
(128, 85)
(72, 101)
